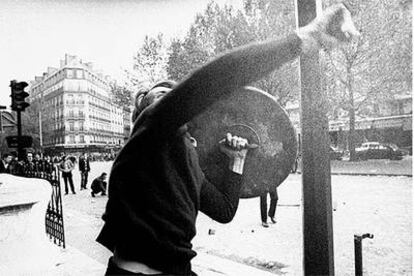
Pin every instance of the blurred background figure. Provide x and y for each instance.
(84, 169)
(5, 163)
(99, 185)
(66, 166)
(272, 209)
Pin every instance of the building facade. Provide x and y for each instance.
(76, 109)
(393, 124)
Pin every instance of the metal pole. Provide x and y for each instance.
(358, 252)
(358, 255)
(318, 247)
(20, 152)
(40, 127)
(1, 121)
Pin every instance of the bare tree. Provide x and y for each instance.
(369, 70)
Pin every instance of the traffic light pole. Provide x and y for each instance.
(19, 104)
(20, 149)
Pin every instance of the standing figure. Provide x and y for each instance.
(272, 209)
(5, 163)
(48, 167)
(66, 166)
(84, 169)
(29, 166)
(156, 186)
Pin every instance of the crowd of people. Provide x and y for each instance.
(45, 166)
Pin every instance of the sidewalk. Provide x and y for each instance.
(373, 167)
(379, 205)
(74, 262)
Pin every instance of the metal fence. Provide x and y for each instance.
(54, 214)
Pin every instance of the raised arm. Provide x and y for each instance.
(245, 65)
(219, 78)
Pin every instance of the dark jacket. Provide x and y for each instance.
(3, 168)
(84, 164)
(98, 185)
(156, 186)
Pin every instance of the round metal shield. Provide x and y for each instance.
(256, 116)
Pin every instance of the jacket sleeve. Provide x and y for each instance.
(217, 79)
(220, 203)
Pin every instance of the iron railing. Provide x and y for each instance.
(54, 214)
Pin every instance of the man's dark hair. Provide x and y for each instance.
(141, 102)
(6, 155)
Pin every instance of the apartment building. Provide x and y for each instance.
(77, 111)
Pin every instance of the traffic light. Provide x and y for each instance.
(18, 95)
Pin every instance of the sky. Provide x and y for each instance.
(35, 34)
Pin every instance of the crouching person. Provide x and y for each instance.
(99, 185)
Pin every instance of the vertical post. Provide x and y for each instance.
(1, 121)
(316, 179)
(358, 255)
(358, 252)
(20, 152)
(40, 127)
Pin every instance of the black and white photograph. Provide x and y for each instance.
(206, 137)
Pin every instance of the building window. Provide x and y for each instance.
(69, 99)
(81, 126)
(81, 139)
(79, 74)
(72, 139)
(69, 73)
(71, 126)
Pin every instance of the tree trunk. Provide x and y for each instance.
(351, 137)
(351, 134)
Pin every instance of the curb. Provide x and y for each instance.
(370, 174)
(366, 174)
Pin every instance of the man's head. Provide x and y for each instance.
(145, 98)
(30, 156)
(37, 156)
(103, 176)
(7, 158)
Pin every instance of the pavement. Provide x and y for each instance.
(374, 167)
(243, 247)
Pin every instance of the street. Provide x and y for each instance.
(380, 205)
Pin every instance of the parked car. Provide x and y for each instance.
(335, 154)
(376, 150)
(408, 150)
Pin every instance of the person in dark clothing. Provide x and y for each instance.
(16, 166)
(48, 165)
(84, 169)
(29, 165)
(99, 185)
(272, 209)
(156, 186)
(66, 166)
(5, 163)
(38, 162)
